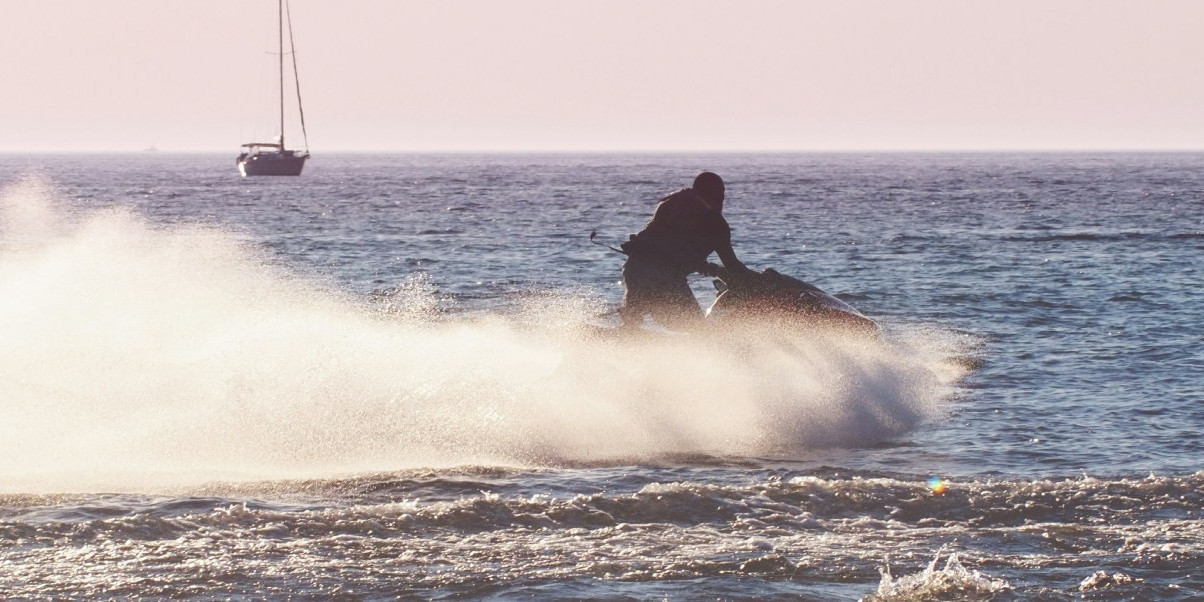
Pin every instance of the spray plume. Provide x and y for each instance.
(135, 355)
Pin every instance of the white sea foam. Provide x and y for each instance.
(136, 353)
(954, 581)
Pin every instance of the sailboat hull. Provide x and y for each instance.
(285, 163)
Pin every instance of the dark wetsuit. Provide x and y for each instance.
(683, 232)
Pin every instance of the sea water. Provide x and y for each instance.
(373, 381)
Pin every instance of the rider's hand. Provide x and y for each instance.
(743, 278)
(712, 270)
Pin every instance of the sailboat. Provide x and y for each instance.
(273, 158)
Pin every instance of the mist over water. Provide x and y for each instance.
(139, 355)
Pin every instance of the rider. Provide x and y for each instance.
(685, 229)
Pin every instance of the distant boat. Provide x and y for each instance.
(273, 158)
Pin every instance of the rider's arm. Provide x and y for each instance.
(735, 269)
(728, 257)
(723, 245)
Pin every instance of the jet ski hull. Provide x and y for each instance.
(784, 302)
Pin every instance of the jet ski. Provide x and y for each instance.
(780, 301)
(767, 302)
(769, 298)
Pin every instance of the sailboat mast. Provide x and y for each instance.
(280, 24)
(292, 49)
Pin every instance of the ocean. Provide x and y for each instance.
(382, 380)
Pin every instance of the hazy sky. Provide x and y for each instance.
(413, 75)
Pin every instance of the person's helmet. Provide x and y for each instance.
(710, 186)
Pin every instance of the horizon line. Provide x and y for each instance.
(571, 151)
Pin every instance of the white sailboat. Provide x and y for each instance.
(273, 158)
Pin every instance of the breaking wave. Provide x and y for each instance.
(438, 532)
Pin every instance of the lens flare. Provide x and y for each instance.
(938, 486)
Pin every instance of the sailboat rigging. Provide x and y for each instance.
(273, 158)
